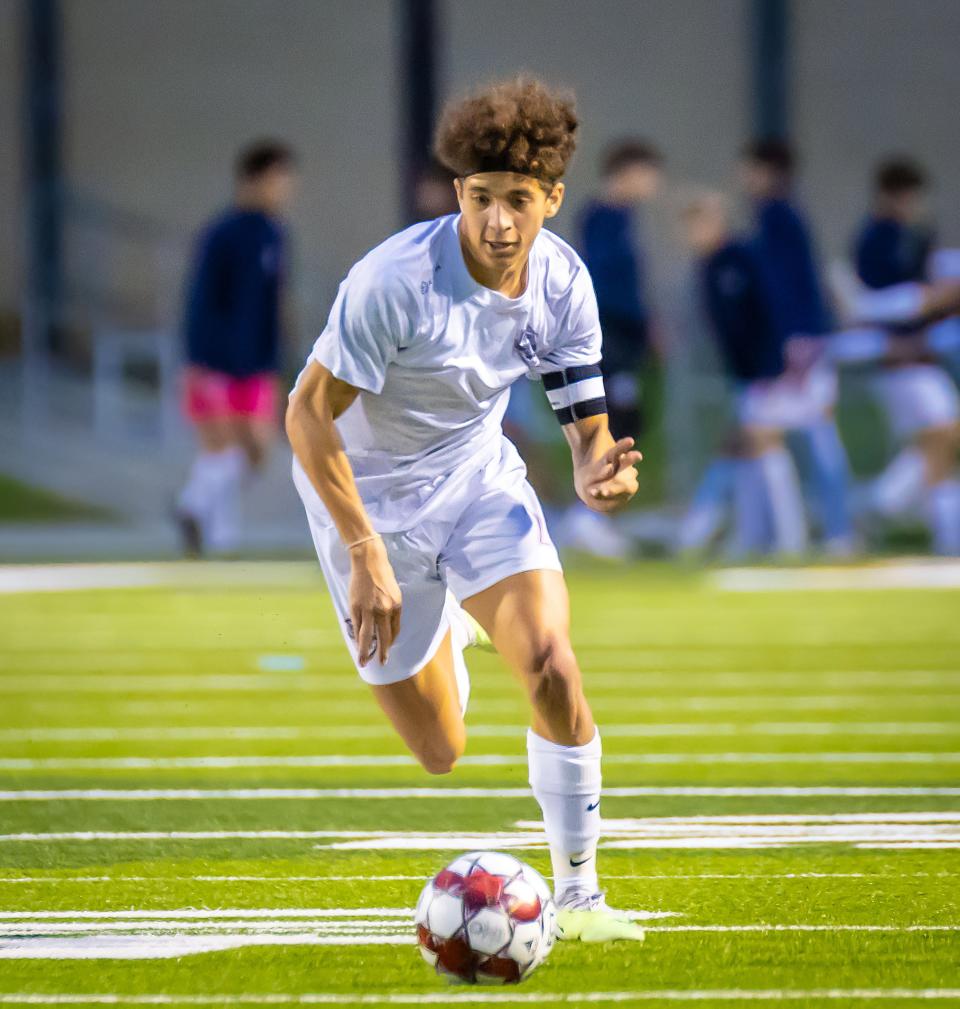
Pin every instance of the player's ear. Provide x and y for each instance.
(458, 186)
(555, 200)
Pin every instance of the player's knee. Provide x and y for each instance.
(554, 674)
(441, 755)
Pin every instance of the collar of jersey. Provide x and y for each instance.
(484, 295)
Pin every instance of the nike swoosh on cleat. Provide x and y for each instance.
(593, 806)
(581, 862)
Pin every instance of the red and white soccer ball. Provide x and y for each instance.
(486, 919)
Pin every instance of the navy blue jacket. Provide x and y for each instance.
(232, 319)
(887, 252)
(785, 252)
(614, 261)
(738, 306)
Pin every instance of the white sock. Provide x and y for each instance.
(787, 519)
(900, 485)
(566, 783)
(223, 527)
(196, 497)
(461, 634)
(751, 510)
(943, 509)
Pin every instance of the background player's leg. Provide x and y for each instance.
(527, 617)
(211, 469)
(426, 711)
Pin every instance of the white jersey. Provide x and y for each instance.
(434, 354)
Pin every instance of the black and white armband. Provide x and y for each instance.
(576, 392)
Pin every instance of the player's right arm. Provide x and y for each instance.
(317, 401)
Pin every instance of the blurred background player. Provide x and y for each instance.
(610, 243)
(891, 255)
(768, 509)
(786, 256)
(233, 329)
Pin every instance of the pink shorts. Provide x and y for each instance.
(214, 395)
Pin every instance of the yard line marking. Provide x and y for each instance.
(30, 880)
(920, 574)
(615, 792)
(207, 913)
(364, 731)
(488, 998)
(476, 760)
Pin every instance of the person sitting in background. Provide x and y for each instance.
(768, 509)
(891, 254)
(786, 256)
(232, 331)
(632, 173)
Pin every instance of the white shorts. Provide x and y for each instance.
(788, 402)
(491, 528)
(917, 397)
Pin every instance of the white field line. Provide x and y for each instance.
(651, 833)
(39, 733)
(616, 705)
(478, 760)
(918, 574)
(31, 880)
(492, 998)
(599, 684)
(209, 913)
(616, 792)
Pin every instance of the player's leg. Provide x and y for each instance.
(527, 618)
(206, 406)
(427, 712)
(940, 446)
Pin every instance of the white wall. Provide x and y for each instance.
(161, 93)
(874, 77)
(671, 70)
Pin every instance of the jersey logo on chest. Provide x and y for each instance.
(526, 346)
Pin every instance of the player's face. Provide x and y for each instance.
(705, 227)
(638, 183)
(759, 181)
(275, 189)
(502, 214)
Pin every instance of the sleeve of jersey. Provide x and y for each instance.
(570, 371)
(368, 323)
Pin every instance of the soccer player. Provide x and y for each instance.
(891, 254)
(786, 257)
(414, 497)
(768, 508)
(232, 345)
(632, 175)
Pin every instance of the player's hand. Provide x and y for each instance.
(374, 601)
(608, 482)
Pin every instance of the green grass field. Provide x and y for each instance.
(200, 804)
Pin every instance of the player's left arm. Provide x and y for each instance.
(604, 470)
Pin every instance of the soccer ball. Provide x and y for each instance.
(487, 918)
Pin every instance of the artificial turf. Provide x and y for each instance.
(805, 743)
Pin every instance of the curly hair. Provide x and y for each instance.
(512, 126)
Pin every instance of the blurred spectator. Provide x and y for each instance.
(786, 256)
(434, 195)
(608, 241)
(232, 328)
(891, 256)
(768, 510)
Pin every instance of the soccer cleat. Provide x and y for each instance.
(589, 919)
(478, 636)
(191, 535)
(468, 631)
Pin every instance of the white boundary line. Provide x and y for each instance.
(93, 734)
(477, 760)
(489, 998)
(615, 792)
